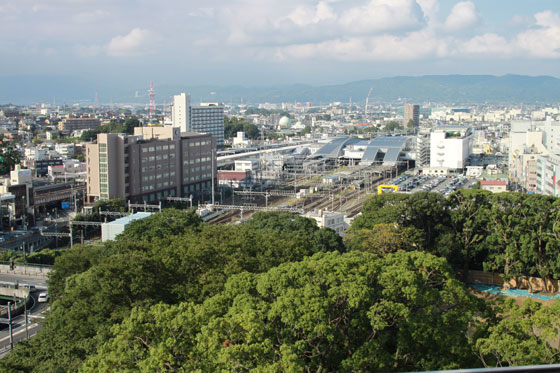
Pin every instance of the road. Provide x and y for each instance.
(36, 314)
(40, 284)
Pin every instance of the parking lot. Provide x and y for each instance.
(445, 185)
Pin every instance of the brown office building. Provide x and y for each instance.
(411, 113)
(73, 124)
(152, 164)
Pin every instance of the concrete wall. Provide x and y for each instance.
(40, 272)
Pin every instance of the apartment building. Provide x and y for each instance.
(73, 124)
(548, 170)
(152, 164)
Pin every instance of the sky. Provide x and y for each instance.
(268, 42)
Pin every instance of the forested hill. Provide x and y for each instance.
(277, 293)
(453, 89)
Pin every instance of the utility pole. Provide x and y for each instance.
(25, 312)
(10, 325)
(213, 173)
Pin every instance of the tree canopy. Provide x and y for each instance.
(233, 125)
(329, 312)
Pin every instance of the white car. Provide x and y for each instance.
(43, 298)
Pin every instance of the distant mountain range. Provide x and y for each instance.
(450, 89)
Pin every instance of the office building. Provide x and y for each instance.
(208, 118)
(151, 165)
(180, 112)
(411, 113)
(450, 146)
(204, 118)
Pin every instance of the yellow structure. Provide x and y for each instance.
(383, 187)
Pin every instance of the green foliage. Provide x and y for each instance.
(304, 230)
(517, 234)
(330, 312)
(234, 125)
(170, 258)
(114, 127)
(9, 156)
(168, 223)
(384, 238)
(73, 261)
(393, 126)
(526, 335)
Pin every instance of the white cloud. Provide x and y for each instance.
(137, 42)
(430, 8)
(462, 16)
(383, 15)
(488, 44)
(253, 23)
(542, 41)
(413, 46)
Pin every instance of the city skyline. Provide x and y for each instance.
(271, 42)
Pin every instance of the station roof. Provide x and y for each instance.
(127, 219)
(334, 149)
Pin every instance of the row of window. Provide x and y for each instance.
(159, 157)
(158, 148)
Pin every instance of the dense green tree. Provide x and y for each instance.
(300, 228)
(504, 241)
(384, 238)
(73, 261)
(171, 259)
(539, 247)
(233, 125)
(167, 223)
(330, 312)
(469, 216)
(114, 127)
(526, 335)
(424, 211)
(393, 126)
(9, 156)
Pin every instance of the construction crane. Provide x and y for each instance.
(152, 107)
(367, 99)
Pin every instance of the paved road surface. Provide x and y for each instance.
(36, 314)
(40, 283)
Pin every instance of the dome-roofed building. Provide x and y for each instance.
(284, 123)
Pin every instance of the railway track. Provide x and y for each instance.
(338, 199)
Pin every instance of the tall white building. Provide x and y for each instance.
(205, 118)
(180, 113)
(450, 146)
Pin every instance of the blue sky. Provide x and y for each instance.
(260, 42)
